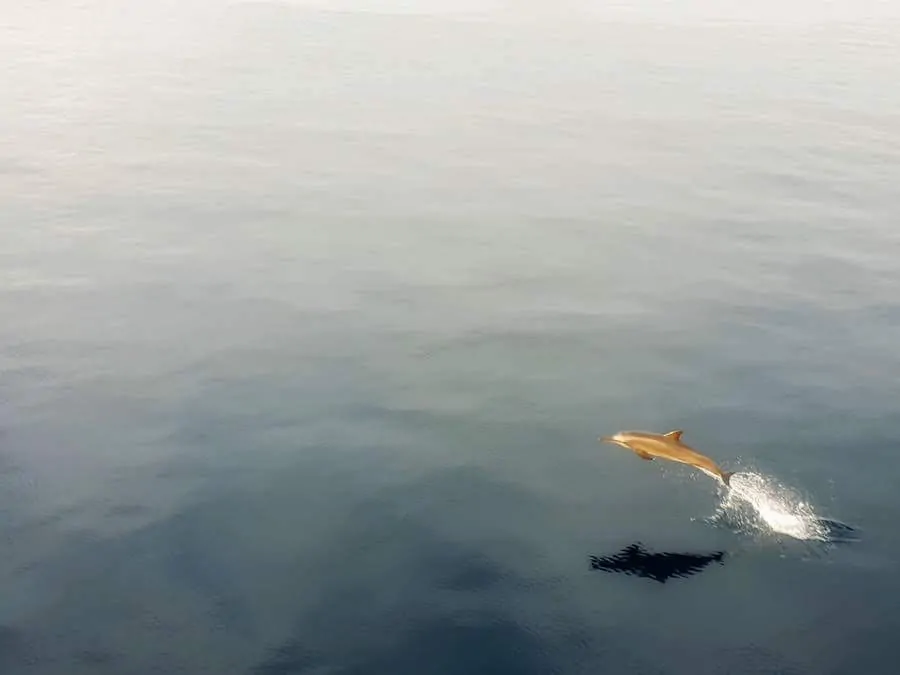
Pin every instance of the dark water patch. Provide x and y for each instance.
(444, 646)
(417, 584)
(97, 658)
(289, 659)
(471, 573)
(127, 510)
(11, 644)
(18, 651)
(203, 570)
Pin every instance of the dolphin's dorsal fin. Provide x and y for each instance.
(674, 435)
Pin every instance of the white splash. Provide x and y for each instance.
(759, 502)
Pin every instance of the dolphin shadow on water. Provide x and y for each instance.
(637, 561)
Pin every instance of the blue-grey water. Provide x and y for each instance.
(311, 317)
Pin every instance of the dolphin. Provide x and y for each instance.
(648, 445)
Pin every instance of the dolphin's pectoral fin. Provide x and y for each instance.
(643, 455)
(674, 435)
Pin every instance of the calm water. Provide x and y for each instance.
(310, 320)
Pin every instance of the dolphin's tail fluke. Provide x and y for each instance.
(726, 477)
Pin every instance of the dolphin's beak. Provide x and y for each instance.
(613, 440)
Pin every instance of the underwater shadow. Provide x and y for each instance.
(635, 560)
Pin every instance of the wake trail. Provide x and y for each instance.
(756, 502)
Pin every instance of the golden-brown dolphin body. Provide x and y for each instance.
(648, 445)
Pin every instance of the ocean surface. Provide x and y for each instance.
(312, 314)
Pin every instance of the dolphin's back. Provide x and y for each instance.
(666, 447)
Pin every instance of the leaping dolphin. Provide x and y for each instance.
(648, 445)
